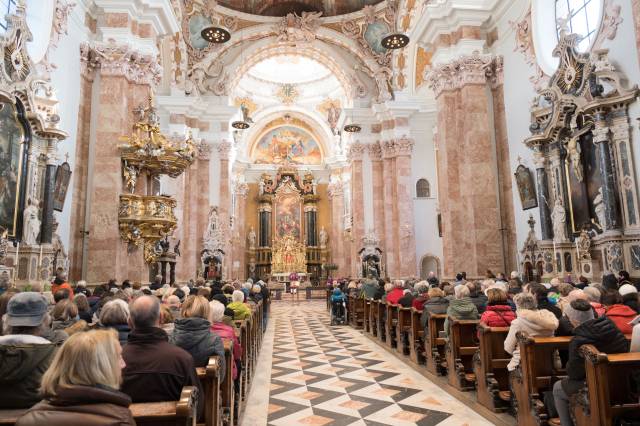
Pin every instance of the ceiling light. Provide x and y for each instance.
(240, 125)
(352, 128)
(215, 34)
(395, 41)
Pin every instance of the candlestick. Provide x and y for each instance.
(40, 258)
(16, 262)
(555, 256)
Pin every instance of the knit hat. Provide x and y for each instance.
(26, 309)
(593, 293)
(627, 289)
(578, 312)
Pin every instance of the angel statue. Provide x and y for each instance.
(245, 113)
(559, 219)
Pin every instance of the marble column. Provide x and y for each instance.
(224, 150)
(625, 166)
(375, 154)
(390, 222)
(406, 262)
(203, 203)
(543, 195)
(356, 151)
(46, 230)
(336, 196)
(605, 164)
(240, 241)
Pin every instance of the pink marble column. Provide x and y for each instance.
(389, 207)
(336, 195)
(356, 152)
(241, 233)
(635, 7)
(224, 149)
(404, 203)
(202, 209)
(375, 154)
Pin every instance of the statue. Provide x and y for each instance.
(252, 239)
(323, 238)
(575, 150)
(261, 187)
(213, 223)
(245, 113)
(294, 28)
(31, 224)
(598, 207)
(4, 243)
(559, 219)
(583, 244)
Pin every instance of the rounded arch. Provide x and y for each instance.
(428, 263)
(423, 188)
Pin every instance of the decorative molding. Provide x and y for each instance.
(295, 29)
(120, 60)
(224, 149)
(524, 45)
(469, 69)
(404, 146)
(356, 151)
(375, 151)
(609, 26)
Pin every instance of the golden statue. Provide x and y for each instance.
(289, 256)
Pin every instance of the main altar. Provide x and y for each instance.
(288, 239)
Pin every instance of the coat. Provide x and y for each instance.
(418, 302)
(194, 335)
(498, 316)
(369, 289)
(621, 315)
(598, 309)
(463, 309)
(23, 361)
(480, 300)
(240, 310)
(602, 333)
(545, 304)
(81, 405)
(540, 322)
(436, 305)
(122, 329)
(227, 332)
(406, 300)
(394, 296)
(152, 363)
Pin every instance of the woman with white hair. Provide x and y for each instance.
(461, 307)
(115, 314)
(240, 310)
(226, 332)
(81, 288)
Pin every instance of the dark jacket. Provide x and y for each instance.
(86, 316)
(369, 289)
(81, 405)
(155, 369)
(565, 328)
(122, 329)
(601, 333)
(480, 300)
(545, 304)
(194, 335)
(406, 300)
(23, 361)
(436, 305)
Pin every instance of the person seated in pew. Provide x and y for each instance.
(240, 310)
(25, 354)
(226, 332)
(422, 295)
(370, 287)
(461, 307)
(166, 319)
(629, 296)
(193, 333)
(437, 304)
(387, 289)
(155, 369)
(81, 385)
(256, 294)
(531, 320)
(635, 335)
(498, 312)
(541, 293)
(84, 310)
(115, 314)
(228, 313)
(477, 297)
(65, 317)
(396, 293)
(620, 314)
(600, 332)
(566, 325)
(407, 299)
(593, 296)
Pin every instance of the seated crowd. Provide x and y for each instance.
(76, 356)
(598, 314)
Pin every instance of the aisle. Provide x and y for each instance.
(312, 374)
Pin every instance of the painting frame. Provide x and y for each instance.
(526, 187)
(288, 191)
(61, 186)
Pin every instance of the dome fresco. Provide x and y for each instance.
(282, 7)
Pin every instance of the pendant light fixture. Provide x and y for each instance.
(216, 35)
(352, 128)
(395, 41)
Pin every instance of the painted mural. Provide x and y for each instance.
(287, 217)
(374, 34)
(11, 137)
(287, 145)
(282, 7)
(196, 24)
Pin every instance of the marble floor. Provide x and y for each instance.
(311, 373)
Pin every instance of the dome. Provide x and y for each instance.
(283, 7)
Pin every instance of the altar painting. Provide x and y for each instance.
(288, 215)
(11, 137)
(287, 145)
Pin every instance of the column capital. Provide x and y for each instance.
(375, 151)
(539, 159)
(600, 133)
(356, 151)
(224, 149)
(388, 148)
(464, 70)
(404, 146)
(113, 59)
(335, 189)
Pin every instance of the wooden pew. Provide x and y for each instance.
(460, 347)
(366, 316)
(403, 328)
(351, 318)
(535, 375)
(227, 388)
(435, 345)
(490, 367)
(373, 317)
(179, 413)
(358, 312)
(416, 338)
(243, 338)
(210, 379)
(608, 393)
(391, 319)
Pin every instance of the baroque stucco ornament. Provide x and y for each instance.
(470, 69)
(294, 28)
(120, 60)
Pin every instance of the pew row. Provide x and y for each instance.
(460, 348)
(490, 367)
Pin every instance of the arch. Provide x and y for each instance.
(428, 263)
(423, 188)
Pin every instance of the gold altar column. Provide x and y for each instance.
(356, 151)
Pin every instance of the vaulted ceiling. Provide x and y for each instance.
(283, 7)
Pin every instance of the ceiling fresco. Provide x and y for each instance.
(282, 7)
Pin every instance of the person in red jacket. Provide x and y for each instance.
(394, 295)
(422, 288)
(620, 314)
(60, 283)
(498, 312)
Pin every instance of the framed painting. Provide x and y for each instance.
(12, 136)
(287, 145)
(63, 176)
(288, 212)
(526, 187)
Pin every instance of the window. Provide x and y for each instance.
(582, 17)
(7, 7)
(423, 190)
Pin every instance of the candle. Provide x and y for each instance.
(578, 250)
(16, 262)
(40, 258)
(555, 256)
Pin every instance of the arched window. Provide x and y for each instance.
(6, 7)
(582, 17)
(423, 190)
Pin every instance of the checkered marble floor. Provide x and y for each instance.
(310, 373)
